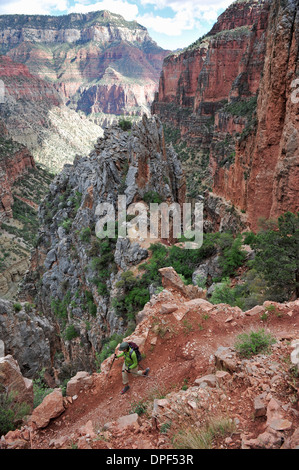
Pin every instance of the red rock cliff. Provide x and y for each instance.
(205, 73)
(251, 52)
(273, 186)
(264, 180)
(15, 160)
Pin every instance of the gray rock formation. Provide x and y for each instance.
(27, 336)
(74, 273)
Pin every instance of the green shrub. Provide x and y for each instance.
(66, 225)
(103, 263)
(108, 348)
(102, 289)
(125, 124)
(192, 437)
(76, 200)
(255, 342)
(164, 428)
(277, 257)
(60, 307)
(28, 217)
(139, 407)
(223, 294)
(232, 256)
(85, 234)
(244, 107)
(152, 197)
(90, 305)
(40, 389)
(71, 333)
(12, 413)
(17, 307)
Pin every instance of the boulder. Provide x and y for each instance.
(13, 381)
(208, 380)
(51, 407)
(258, 309)
(292, 442)
(267, 440)
(210, 268)
(2, 348)
(171, 280)
(295, 352)
(88, 430)
(260, 408)
(200, 305)
(226, 358)
(123, 422)
(168, 308)
(82, 380)
(28, 337)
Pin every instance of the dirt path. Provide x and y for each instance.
(177, 353)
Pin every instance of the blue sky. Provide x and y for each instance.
(171, 23)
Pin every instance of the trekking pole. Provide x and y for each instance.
(111, 367)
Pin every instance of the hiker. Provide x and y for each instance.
(130, 365)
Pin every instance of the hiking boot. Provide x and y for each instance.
(125, 389)
(146, 371)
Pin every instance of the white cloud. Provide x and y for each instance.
(187, 14)
(180, 19)
(123, 8)
(169, 26)
(197, 5)
(31, 7)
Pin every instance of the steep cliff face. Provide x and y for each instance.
(231, 101)
(79, 53)
(273, 180)
(226, 61)
(35, 116)
(74, 274)
(23, 184)
(263, 181)
(15, 161)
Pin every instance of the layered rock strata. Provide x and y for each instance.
(99, 62)
(232, 97)
(35, 116)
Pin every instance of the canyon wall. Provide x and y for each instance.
(35, 116)
(15, 160)
(229, 96)
(98, 62)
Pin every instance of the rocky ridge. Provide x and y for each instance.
(202, 377)
(73, 275)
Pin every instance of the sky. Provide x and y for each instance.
(172, 24)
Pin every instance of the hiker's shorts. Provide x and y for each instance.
(125, 375)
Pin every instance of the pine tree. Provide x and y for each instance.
(277, 256)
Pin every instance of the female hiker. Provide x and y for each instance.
(130, 365)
